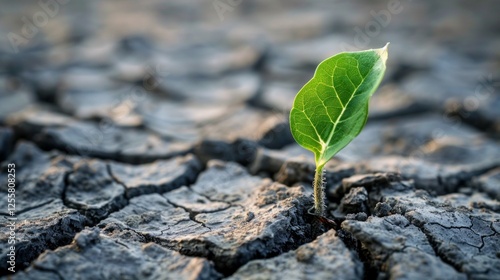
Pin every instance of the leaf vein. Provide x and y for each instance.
(343, 110)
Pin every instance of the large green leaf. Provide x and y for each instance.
(332, 108)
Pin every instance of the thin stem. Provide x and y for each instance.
(319, 192)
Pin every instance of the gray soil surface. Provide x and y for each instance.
(151, 141)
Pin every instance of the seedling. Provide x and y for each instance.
(332, 108)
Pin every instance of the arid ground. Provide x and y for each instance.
(150, 140)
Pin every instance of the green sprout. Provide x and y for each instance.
(332, 108)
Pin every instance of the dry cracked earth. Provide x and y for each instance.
(152, 142)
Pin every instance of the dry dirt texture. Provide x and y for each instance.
(152, 142)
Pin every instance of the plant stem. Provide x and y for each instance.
(319, 192)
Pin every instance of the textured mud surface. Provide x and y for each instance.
(152, 142)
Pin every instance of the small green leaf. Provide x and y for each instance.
(332, 108)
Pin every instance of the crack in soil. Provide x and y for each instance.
(193, 214)
(370, 270)
(435, 246)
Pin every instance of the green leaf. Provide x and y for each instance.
(332, 108)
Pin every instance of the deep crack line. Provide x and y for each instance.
(435, 247)
(192, 214)
(482, 240)
(65, 188)
(40, 139)
(88, 221)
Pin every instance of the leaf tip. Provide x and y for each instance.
(382, 52)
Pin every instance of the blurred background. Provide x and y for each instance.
(136, 81)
